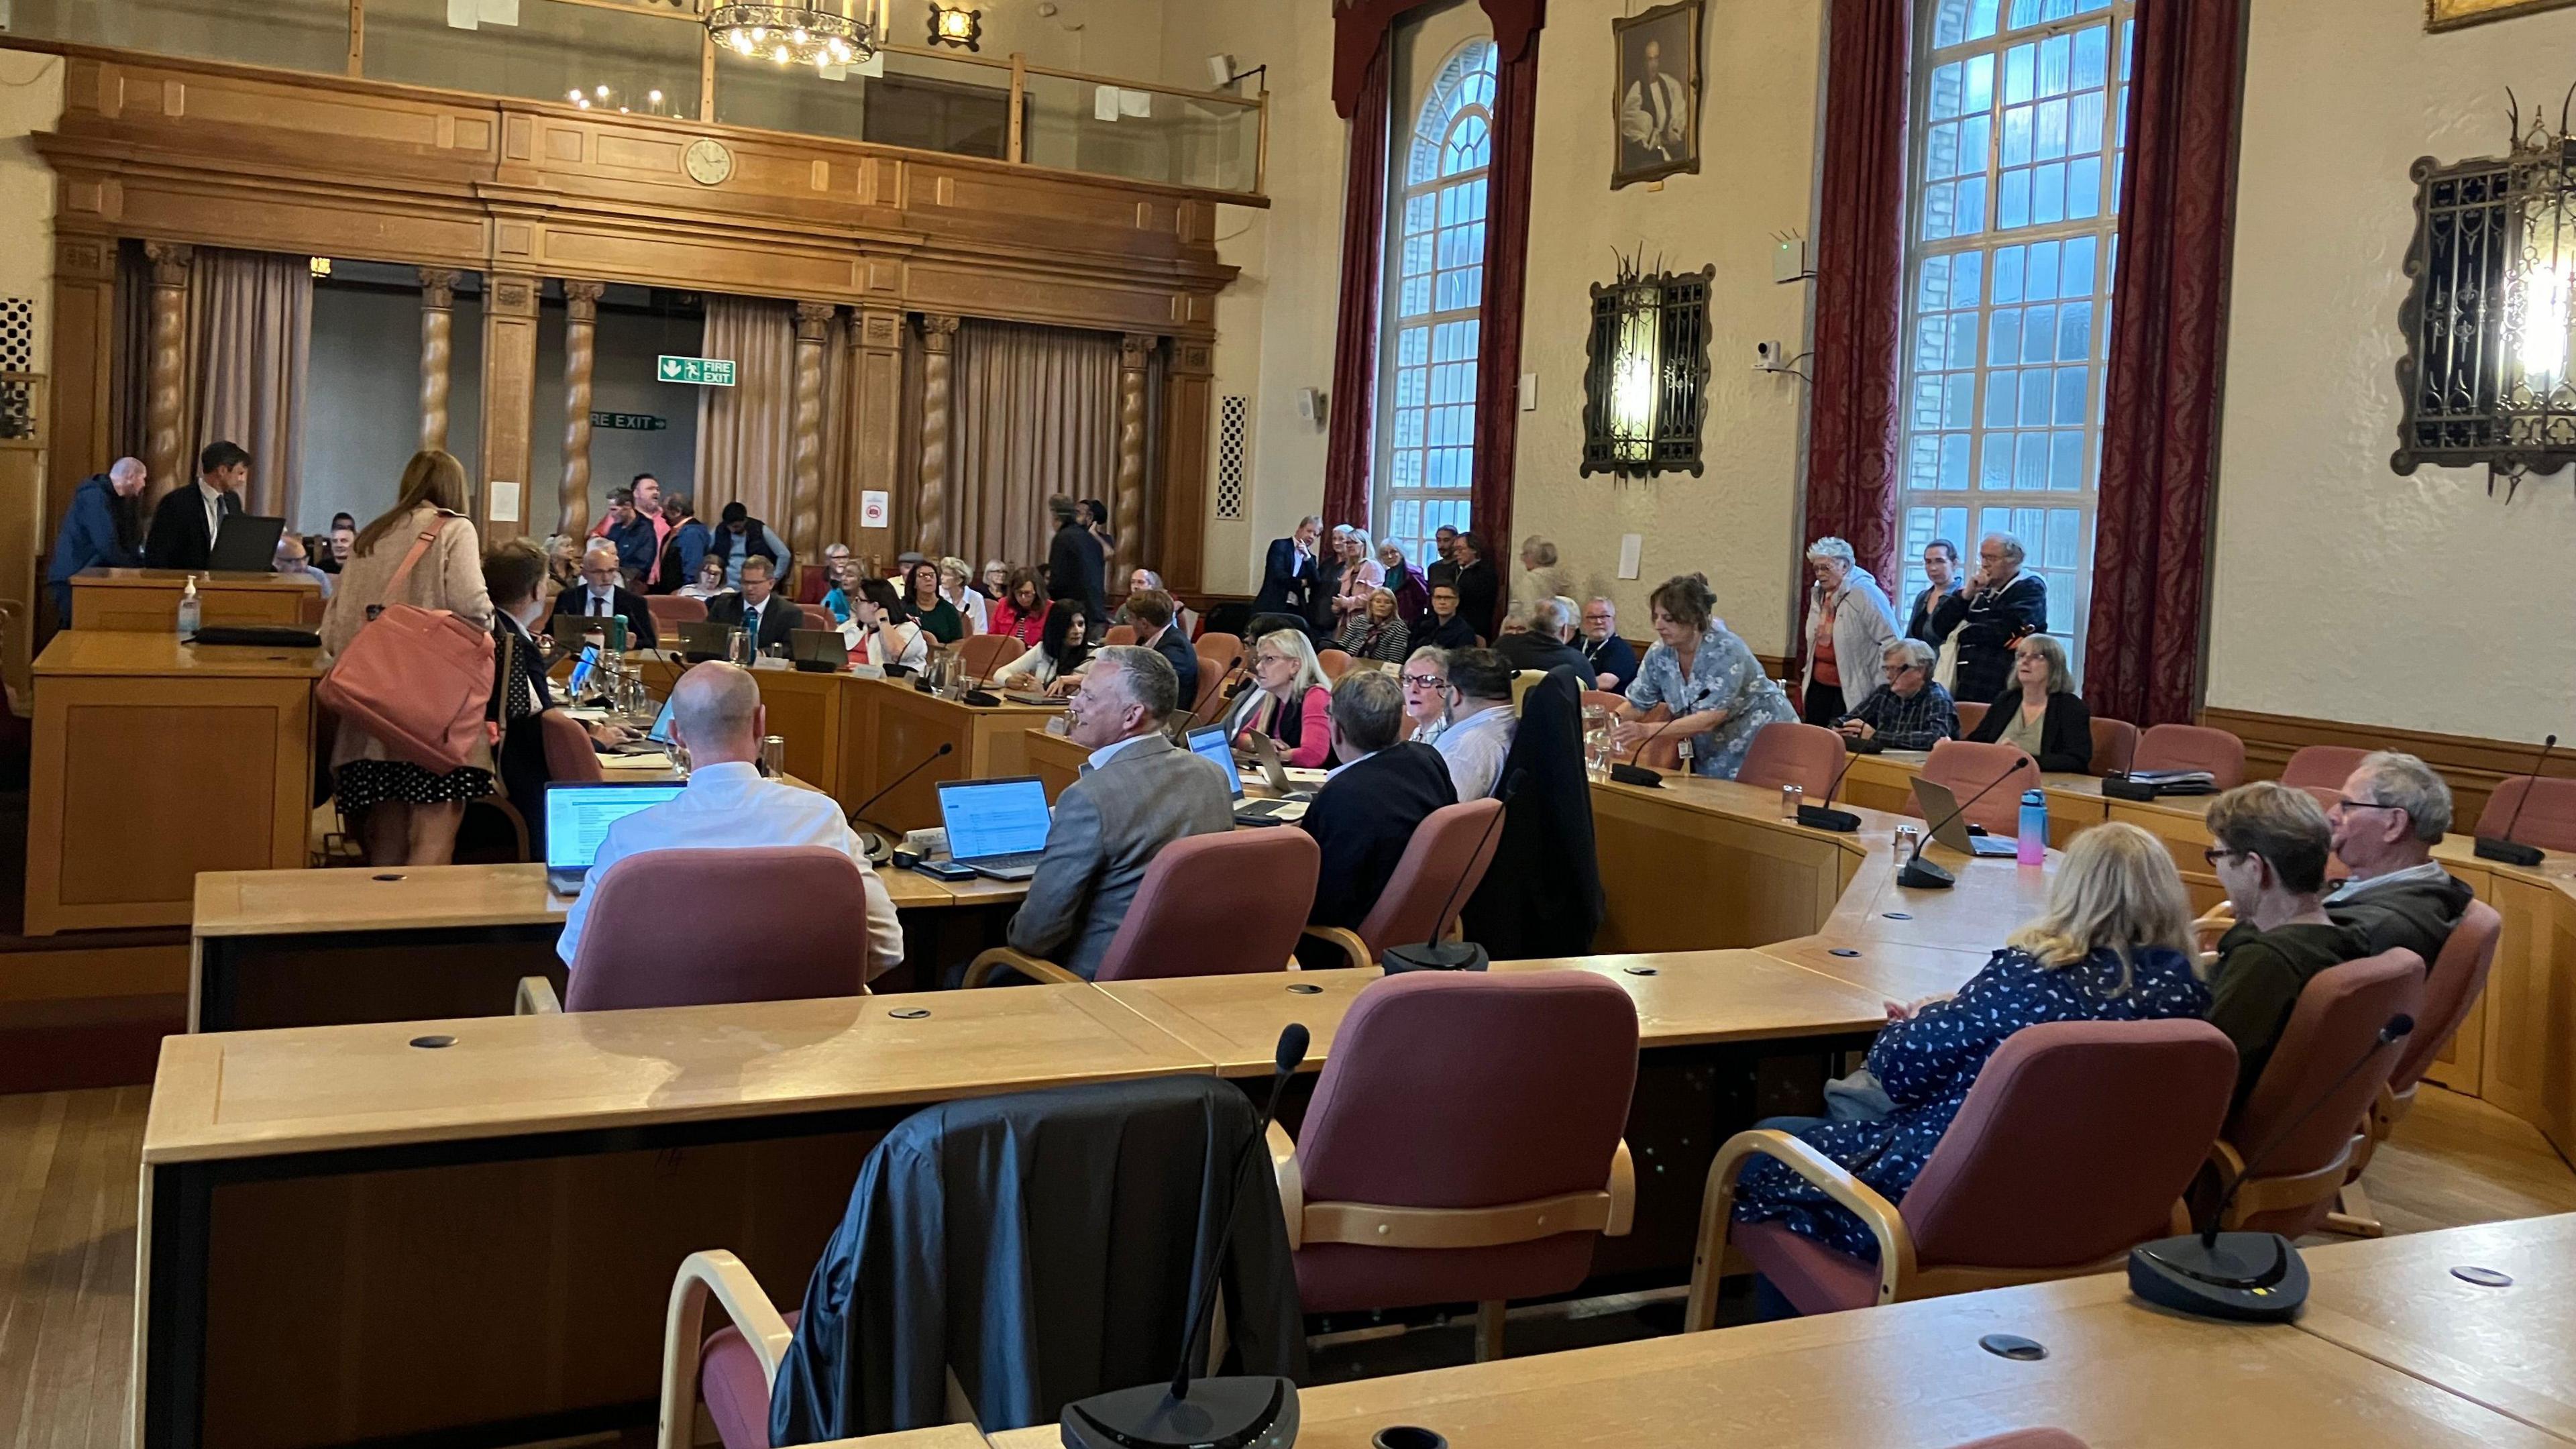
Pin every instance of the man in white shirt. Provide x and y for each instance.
(717, 716)
(1481, 722)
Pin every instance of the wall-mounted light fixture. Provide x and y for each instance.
(957, 26)
(1645, 387)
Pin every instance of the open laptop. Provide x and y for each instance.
(1284, 782)
(996, 828)
(245, 544)
(1208, 743)
(577, 820)
(701, 641)
(656, 740)
(1941, 811)
(818, 651)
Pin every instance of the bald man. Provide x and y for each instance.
(98, 530)
(716, 715)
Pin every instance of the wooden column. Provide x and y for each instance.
(581, 328)
(805, 451)
(1189, 399)
(509, 396)
(165, 398)
(930, 520)
(83, 435)
(437, 352)
(1128, 505)
(876, 406)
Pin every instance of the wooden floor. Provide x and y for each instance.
(69, 1170)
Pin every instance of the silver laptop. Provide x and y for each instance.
(1208, 743)
(1941, 810)
(577, 820)
(996, 828)
(1265, 753)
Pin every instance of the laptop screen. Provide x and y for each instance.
(578, 817)
(1208, 742)
(986, 818)
(660, 734)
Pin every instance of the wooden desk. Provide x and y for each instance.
(294, 948)
(1911, 1376)
(428, 1240)
(147, 600)
(896, 727)
(155, 760)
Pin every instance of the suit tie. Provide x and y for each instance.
(751, 621)
(599, 607)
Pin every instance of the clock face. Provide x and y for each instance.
(708, 161)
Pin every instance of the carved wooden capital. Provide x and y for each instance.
(938, 333)
(813, 319)
(581, 300)
(1194, 359)
(83, 257)
(170, 262)
(1135, 349)
(511, 296)
(877, 331)
(438, 288)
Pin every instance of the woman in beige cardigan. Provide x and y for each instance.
(408, 815)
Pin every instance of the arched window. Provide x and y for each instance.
(1436, 284)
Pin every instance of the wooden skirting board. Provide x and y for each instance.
(2473, 765)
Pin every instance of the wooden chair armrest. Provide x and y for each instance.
(1717, 1214)
(1292, 1183)
(537, 998)
(1623, 1193)
(722, 1275)
(1347, 941)
(982, 970)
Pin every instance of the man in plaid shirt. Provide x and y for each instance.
(1909, 712)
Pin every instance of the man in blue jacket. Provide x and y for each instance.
(98, 530)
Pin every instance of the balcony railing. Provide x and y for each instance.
(655, 57)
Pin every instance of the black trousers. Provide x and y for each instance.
(1824, 704)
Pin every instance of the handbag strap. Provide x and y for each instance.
(419, 546)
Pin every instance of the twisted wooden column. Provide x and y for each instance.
(805, 452)
(165, 396)
(938, 343)
(437, 350)
(581, 345)
(1128, 503)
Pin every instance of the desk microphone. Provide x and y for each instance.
(2504, 849)
(2253, 1276)
(979, 692)
(1633, 773)
(1923, 875)
(1190, 721)
(1246, 1411)
(880, 849)
(1825, 816)
(1436, 954)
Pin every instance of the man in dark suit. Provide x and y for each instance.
(1365, 815)
(1151, 609)
(182, 535)
(759, 608)
(1328, 582)
(1289, 577)
(600, 595)
(1443, 568)
(1480, 589)
(1542, 641)
(1449, 628)
(1077, 567)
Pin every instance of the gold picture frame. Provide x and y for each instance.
(1658, 135)
(2440, 15)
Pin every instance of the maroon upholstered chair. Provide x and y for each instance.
(1443, 864)
(1807, 756)
(1970, 716)
(983, 655)
(2115, 744)
(1334, 662)
(1210, 905)
(2029, 1439)
(1463, 1144)
(803, 935)
(2321, 768)
(2451, 989)
(1219, 647)
(2192, 747)
(569, 757)
(1118, 634)
(818, 617)
(1603, 699)
(2339, 1016)
(2074, 1146)
(669, 609)
(1661, 751)
(1212, 677)
(1966, 767)
(2548, 812)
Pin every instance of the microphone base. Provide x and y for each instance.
(1820, 817)
(1435, 956)
(2509, 852)
(1636, 775)
(1245, 1412)
(2119, 787)
(982, 698)
(2247, 1277)
(1922, 875)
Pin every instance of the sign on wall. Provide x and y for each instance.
(630, 422)
(696, 371)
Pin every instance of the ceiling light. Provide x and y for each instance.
(802, 32)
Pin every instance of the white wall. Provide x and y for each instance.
(31, 99)
(2341, 590)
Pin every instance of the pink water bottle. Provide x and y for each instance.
(2031, 848)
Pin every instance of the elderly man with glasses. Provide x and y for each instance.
(2392, 811)
(1909, 711)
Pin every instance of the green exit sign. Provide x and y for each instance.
(702, 371)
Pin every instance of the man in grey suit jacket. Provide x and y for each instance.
(1139, 793)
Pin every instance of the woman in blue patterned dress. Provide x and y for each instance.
(2114, 945)
(1707, 677)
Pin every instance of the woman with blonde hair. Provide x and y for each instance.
(2114, 944)
(1376, 632)
(408, 814)
(1291, 701)
(1362, 575)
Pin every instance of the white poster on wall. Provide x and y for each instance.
(505, 501)
(872, 508)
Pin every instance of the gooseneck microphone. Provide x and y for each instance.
(860, 815)
(1436, 954)
(1633, 773)
(1190, 721)
(1922, 875)
(1249, 1411)
(2239, 1275)
(2504, 848)
(1824, 816)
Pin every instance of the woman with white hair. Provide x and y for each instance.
(1362, 575)
(1850, 625)
(1541, 575)
(957, 586)
(1142, 581)
(1291, 701)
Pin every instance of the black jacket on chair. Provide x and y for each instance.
(2065, 732)
(1541, 898)
(573, 605)
(1363, 819)
(780, 617)
(178, 537)
(1047, 1247)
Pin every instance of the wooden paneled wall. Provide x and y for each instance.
(2473, 766)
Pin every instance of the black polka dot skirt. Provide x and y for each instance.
(362, 783)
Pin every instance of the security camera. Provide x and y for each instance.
(1220, 71)
(1767, 357)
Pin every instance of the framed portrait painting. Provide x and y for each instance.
(2452, 14)
(1656, 94)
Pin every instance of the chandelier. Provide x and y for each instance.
(819, 33)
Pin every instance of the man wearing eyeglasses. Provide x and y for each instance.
(1909, 712)
(2390, 814)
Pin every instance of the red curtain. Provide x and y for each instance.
(1498, 358)
(1360, 26)
(2168, 337)
(1350, 449)
(1853, 426)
